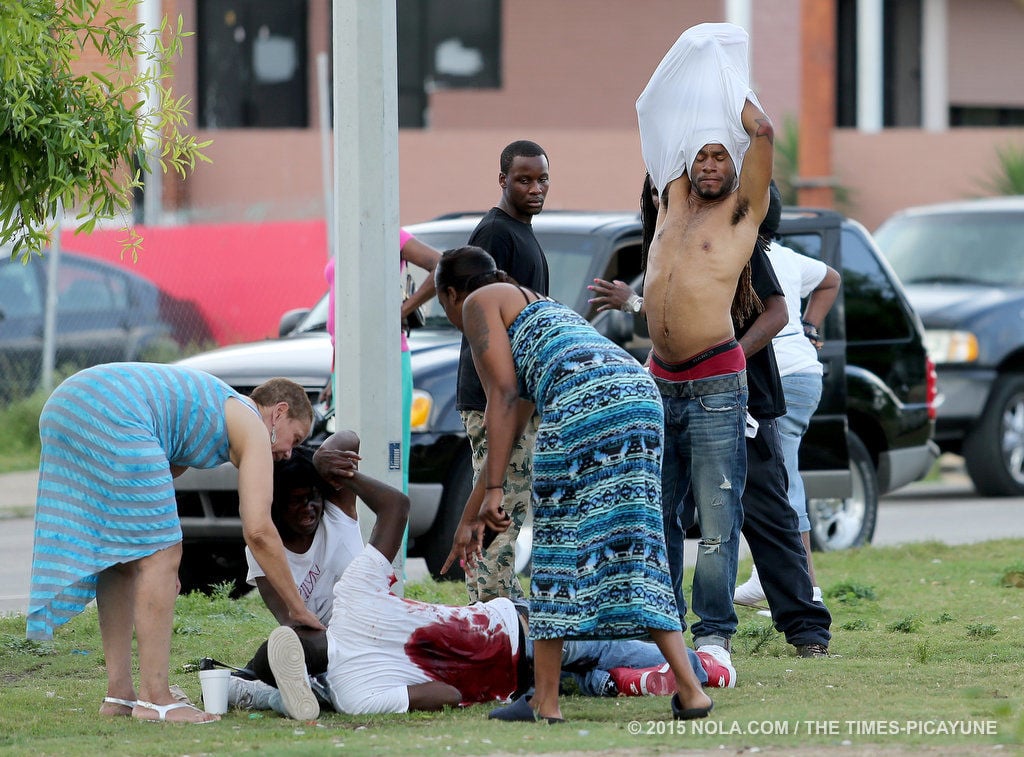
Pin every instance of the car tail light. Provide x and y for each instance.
(931, 387)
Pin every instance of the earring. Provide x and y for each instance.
(273, 434)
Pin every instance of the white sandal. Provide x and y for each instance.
(163, 709)
(129, 703)
(115, 700)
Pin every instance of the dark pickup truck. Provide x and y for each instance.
(962, 264)
(871, 434)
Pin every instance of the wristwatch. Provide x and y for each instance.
(633, 304)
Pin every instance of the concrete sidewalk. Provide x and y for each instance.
(18, 492)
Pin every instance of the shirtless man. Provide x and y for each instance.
(706, 227)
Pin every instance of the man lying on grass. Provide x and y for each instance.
(387, 654)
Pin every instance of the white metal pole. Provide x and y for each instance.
(324, 101)
(935, 65)
(740, 12)
(870, 62)
(50, 311)
(149, 17)
(367, 286)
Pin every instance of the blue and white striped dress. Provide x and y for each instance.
(600, 568)
(109, 436)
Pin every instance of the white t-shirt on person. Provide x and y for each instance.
(336, 543)
(798, 275)
(380, 644)
(696, 96)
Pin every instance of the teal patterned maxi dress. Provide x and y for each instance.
(600, 569)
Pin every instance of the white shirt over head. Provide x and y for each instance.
(695, 97)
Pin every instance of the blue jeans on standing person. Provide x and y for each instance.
(590, 661)
(803, 393)
(705, 462)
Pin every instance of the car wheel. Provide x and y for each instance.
(841, 523)
(994, 449)
(437, 542)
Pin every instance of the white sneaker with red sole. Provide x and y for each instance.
(718, 665)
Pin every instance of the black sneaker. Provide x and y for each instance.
(811, 651)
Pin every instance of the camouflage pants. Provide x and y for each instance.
(495, 574)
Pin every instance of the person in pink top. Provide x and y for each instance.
(411, 250)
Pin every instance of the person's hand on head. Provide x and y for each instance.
(336, 466)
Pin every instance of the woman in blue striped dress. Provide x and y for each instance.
(600, 569)
(106, 522)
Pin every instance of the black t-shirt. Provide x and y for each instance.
(765, 400)
(517, 252)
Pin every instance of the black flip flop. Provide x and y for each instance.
(520, 711)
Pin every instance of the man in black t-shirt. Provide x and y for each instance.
(770, 525)
(507, 234)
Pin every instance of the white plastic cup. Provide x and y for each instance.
(215, 690)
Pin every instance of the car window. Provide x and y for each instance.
(806, 244)
(19, 291)
(972, 248)
(570, 258)
(874, 310)
(84, 289)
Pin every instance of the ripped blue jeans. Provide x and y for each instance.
(703, 473)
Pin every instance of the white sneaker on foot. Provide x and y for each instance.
(750, 594)
(251, 695)
(721, 673)
(288, 663)
(720, 653)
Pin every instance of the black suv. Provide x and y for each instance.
(962, 264)
(870, 435)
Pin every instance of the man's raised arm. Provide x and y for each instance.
(757, 163)
(389, 504)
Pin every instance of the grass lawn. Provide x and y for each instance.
(928, 642)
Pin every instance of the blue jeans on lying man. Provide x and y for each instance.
(589, 661)
(705, 463)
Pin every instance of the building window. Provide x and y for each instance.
(445, 44)
(901, 65)
(846, 63)
(966, 115)
(252, 64)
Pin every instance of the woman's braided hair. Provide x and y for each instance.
(466, 269)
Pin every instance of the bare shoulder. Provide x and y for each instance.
(242, 424)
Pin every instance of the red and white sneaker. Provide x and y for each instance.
(637, 682)
(718, 666)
